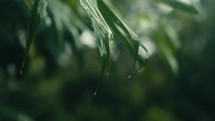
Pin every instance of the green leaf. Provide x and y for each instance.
(105, 22)
(181, 5)
(104, 34)
(131, 41)
(166, 50)
(37, 12)
(169, 57)
(29, 3)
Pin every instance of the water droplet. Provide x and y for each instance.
(129, 77)
(95, 93)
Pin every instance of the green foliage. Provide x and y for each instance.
(101, 19)
(128, 37)
(38, 10)
(105, 37)
(70, 45)
(105, 23)
(181, 5)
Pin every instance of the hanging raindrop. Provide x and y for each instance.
(129, 76)
(95, 93)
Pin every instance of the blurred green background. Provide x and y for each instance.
(63, 66)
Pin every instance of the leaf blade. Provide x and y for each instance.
(105, 39)
(128, 37)
(37, 12)
(181, 5)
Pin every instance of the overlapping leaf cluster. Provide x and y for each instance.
(106, 25)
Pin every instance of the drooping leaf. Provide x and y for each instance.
(181, 5)
(131, 41)
(104, 34)
(166, 49)
(168, 54)
(37, 12)
(104, 22)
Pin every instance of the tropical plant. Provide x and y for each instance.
(106, 24)
(65, 41)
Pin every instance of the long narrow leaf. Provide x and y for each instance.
(37, 11)
(128, 37)
(104, 34)
(104, 22)
(181, 5)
